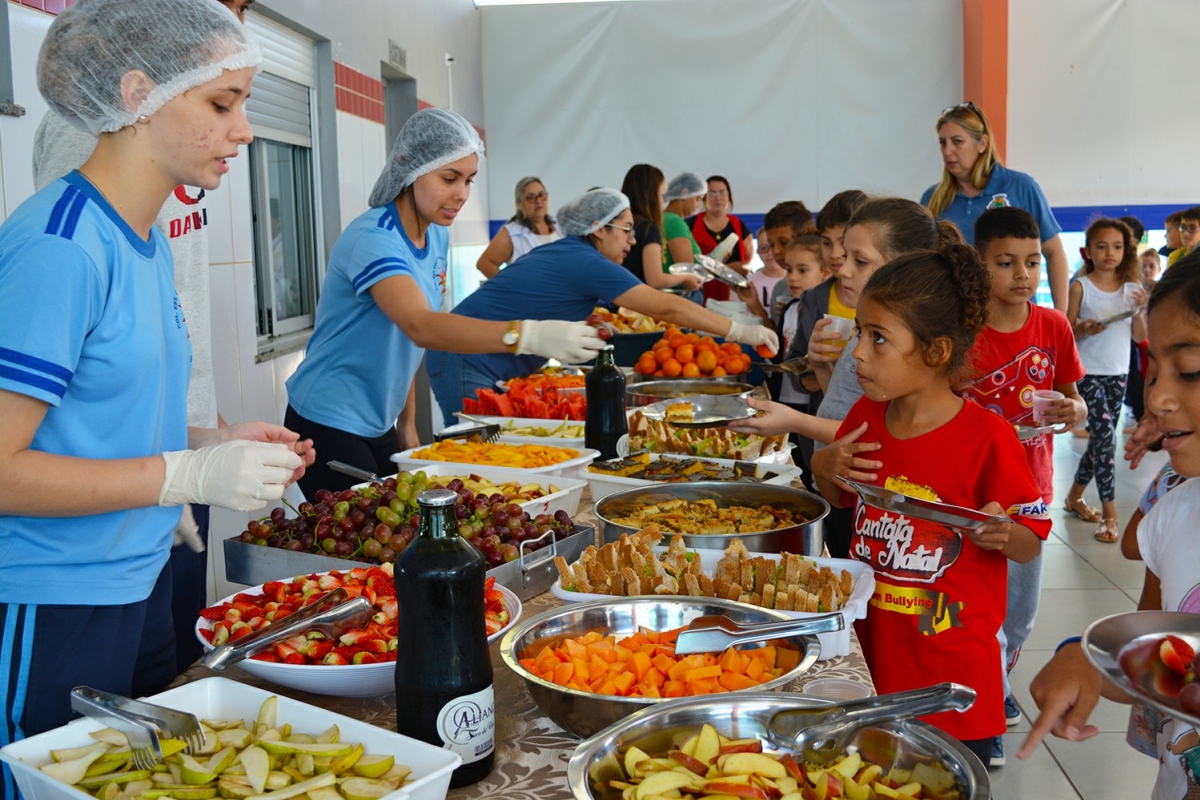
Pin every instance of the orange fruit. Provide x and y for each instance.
(662, 354)
(690, 370)
(658, 373)
(692, 337)
(661, 343)
(733, 348)
(678, 340)
(685, 354)
(706, 343)
(706, 360)
(646, 365)
(669, 332)
(671, 368)
(719, 372)
(765, 351)
(736, 365)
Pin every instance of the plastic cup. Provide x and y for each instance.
(842, 326)
(1042, 400)
(840, 690)
(1127, 293)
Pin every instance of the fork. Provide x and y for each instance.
(141, 722)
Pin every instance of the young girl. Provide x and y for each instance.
(94, 359)
(939, 592)
(1108, 286)
(805, 270)
(1067, 688)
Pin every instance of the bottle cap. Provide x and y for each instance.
(437, 498)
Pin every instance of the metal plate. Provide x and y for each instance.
(1027, 432)
(723, 273)
(941, 513)
(708, 411)
(1120, 647)
(1121, 316)
(794, 366)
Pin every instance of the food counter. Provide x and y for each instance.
(531, 751)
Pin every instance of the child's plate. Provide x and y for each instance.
(941, 513)
(1027, 432)
(707, 411)
(1121, 316)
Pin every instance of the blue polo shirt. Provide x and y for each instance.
(565, 280)
(1006, 187)
(90, 325)
(359, 365)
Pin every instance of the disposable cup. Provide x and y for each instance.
(1128, 294)
(1042, 400)
(842, 326)
(837, 689)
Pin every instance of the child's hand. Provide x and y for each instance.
(993, 534)
(1090, 327)
(775, 419)
(748, 294)
(1142, 440)
(818, 348)
(781, 304)
(842, 460)
(1066, 691)
(1139, 297)
(1066, 412)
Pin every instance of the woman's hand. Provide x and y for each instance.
(272, 434)
(689, 282)
(844, 459)
(774, 420)
(1066, 690)
(1143, 440)
(819, 349)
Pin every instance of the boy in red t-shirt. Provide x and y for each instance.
(1023, 349)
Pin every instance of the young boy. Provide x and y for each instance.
(783, 223)
(804, 270)
(1024, 348)
(1189, 234)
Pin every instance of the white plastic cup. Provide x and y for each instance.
(1042, 400)
(1127, 294)
(842, 326)
(840, 690)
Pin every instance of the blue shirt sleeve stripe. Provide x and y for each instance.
(35, 363)
(376, 268)
(60, 208)
(68, 229)
(36, 381)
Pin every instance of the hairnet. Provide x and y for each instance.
(92, 45)
(683, 186)
(590, 212)
(430, 140)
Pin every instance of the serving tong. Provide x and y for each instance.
(484, 431)
(716, 632)
(820, 734)
(141, 722)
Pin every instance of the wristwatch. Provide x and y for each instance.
(512, 336)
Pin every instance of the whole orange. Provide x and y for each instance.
(706, 360)
(671, 368)
(690, 370)
(685, 353)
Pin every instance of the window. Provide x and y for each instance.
(286, 209)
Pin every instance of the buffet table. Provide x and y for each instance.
(531, 751)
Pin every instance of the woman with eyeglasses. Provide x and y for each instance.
(531, 226)
(974, 180)
(714, 226)
(566, 280)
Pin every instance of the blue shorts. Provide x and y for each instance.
(46, 651)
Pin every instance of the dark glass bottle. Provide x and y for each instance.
(443, 668)
(606, 421)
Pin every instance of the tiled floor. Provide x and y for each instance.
(1082, 580)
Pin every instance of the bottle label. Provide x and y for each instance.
(467, 725)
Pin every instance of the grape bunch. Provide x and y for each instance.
(373, 524)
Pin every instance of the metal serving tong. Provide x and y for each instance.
(486, 432)
(715, 633)
(141, 722)
(821, 734)
(333, 615)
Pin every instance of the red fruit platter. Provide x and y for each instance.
(360, 663)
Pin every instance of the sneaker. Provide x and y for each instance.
(997, 752)
(1012, 712)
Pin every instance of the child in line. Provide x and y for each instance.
(1108, 286)
(1189, 234)
(764, 280)
(1068, 688)
(939, 592)
(805, 270)
(783, 223)
(1024, 348)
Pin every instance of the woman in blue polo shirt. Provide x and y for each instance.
(379, 307)
(95, 453)
(569, 278)
(974, 180)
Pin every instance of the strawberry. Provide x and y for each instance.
(356, 636)
(215, 613)
(283, 650)
(266, 655)
(370, 594)
(274, 591)
(330, 582)
(345, 652)
(240, 630)
(1176, 654)
(257, 622)
(247, 610)
(375, 646)
(295, 658)
(207, 634)
(320, 649)
(220, 636)
(359, 573)
(334, 659)
(390, 607)
(365, 658)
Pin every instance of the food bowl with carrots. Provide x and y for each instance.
(589, 665)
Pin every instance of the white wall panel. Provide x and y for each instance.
(27, 28)
(787, 98)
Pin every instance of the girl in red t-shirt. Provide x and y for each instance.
(940, 592)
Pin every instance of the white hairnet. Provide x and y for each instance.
(92, 45)
(590, 212)
(683, 186)
(430, 140)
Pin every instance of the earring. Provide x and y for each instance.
(142, 118)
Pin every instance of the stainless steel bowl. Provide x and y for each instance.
(807, 539)
(645, 392)
(584, 713)
(747, 714)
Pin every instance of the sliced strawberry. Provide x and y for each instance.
(320, 649)
(359, 573)
(275, 591)
(248, 610)
(329, 582)
(266, 655)
(1176, 654)
(215, 612)
(370, 594)
(391, 607)
(208, 634)
(295, 658)
(283, 650)
(356, 636)
(257, 622)
(240, 630)
(346, 652)
(364, 658)
(378, 646)
(335, 659)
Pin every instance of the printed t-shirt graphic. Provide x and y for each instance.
(939, 599)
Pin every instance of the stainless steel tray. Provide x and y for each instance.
(708, 410)
(1027, 432)
(1121, 316)
(941, 513)
(527, 577)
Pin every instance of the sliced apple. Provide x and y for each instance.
(689, 745)
(342, 763)
(193, 773)
(72, 753)
(222, 760)
(234, 737)
(297, 789)
(110, 736)
(868, 774)
(258, 766)
(332, 734)
(324, 793)
(365, 789)
(751, 764)
(233, 790)
(848, 766)
(302, 738)
(332, 750)
(373, 766)
(304, 764)
(191, 793)
(736, 789)
(266, 714)
(633, 757)
(689, 763)
(742, 746)
(277, 779)
(663, 782)
(885, 791)
(73, 771)
(856, 791)
(97, 781)
(708, 745)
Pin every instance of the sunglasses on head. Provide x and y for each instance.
(962, 107)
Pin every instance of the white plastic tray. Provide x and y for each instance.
(510, 422)
(603, 485)
(782, 456)
(221, 698)
(406, 462)
(832, 644)
(570, 490)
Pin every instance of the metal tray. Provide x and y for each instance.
(1121, 316)
(793, 366)
(725, 274)
(941, 513)
(708, 411)
(1119, 647)
(527, 577)
(1027, 432)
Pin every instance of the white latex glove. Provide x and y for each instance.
(753, 335)
(188, 532)
(567, 342)
(240, 475)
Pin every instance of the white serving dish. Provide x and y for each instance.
(570, 490)
(782, 456)
(405, 461)
(518, 422)
(349, 680)
(832, 644)
(603, 485)
(221, 698)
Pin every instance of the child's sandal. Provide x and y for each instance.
(1107, 532)
(1082, 510)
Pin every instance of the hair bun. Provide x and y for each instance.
(974, 283)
